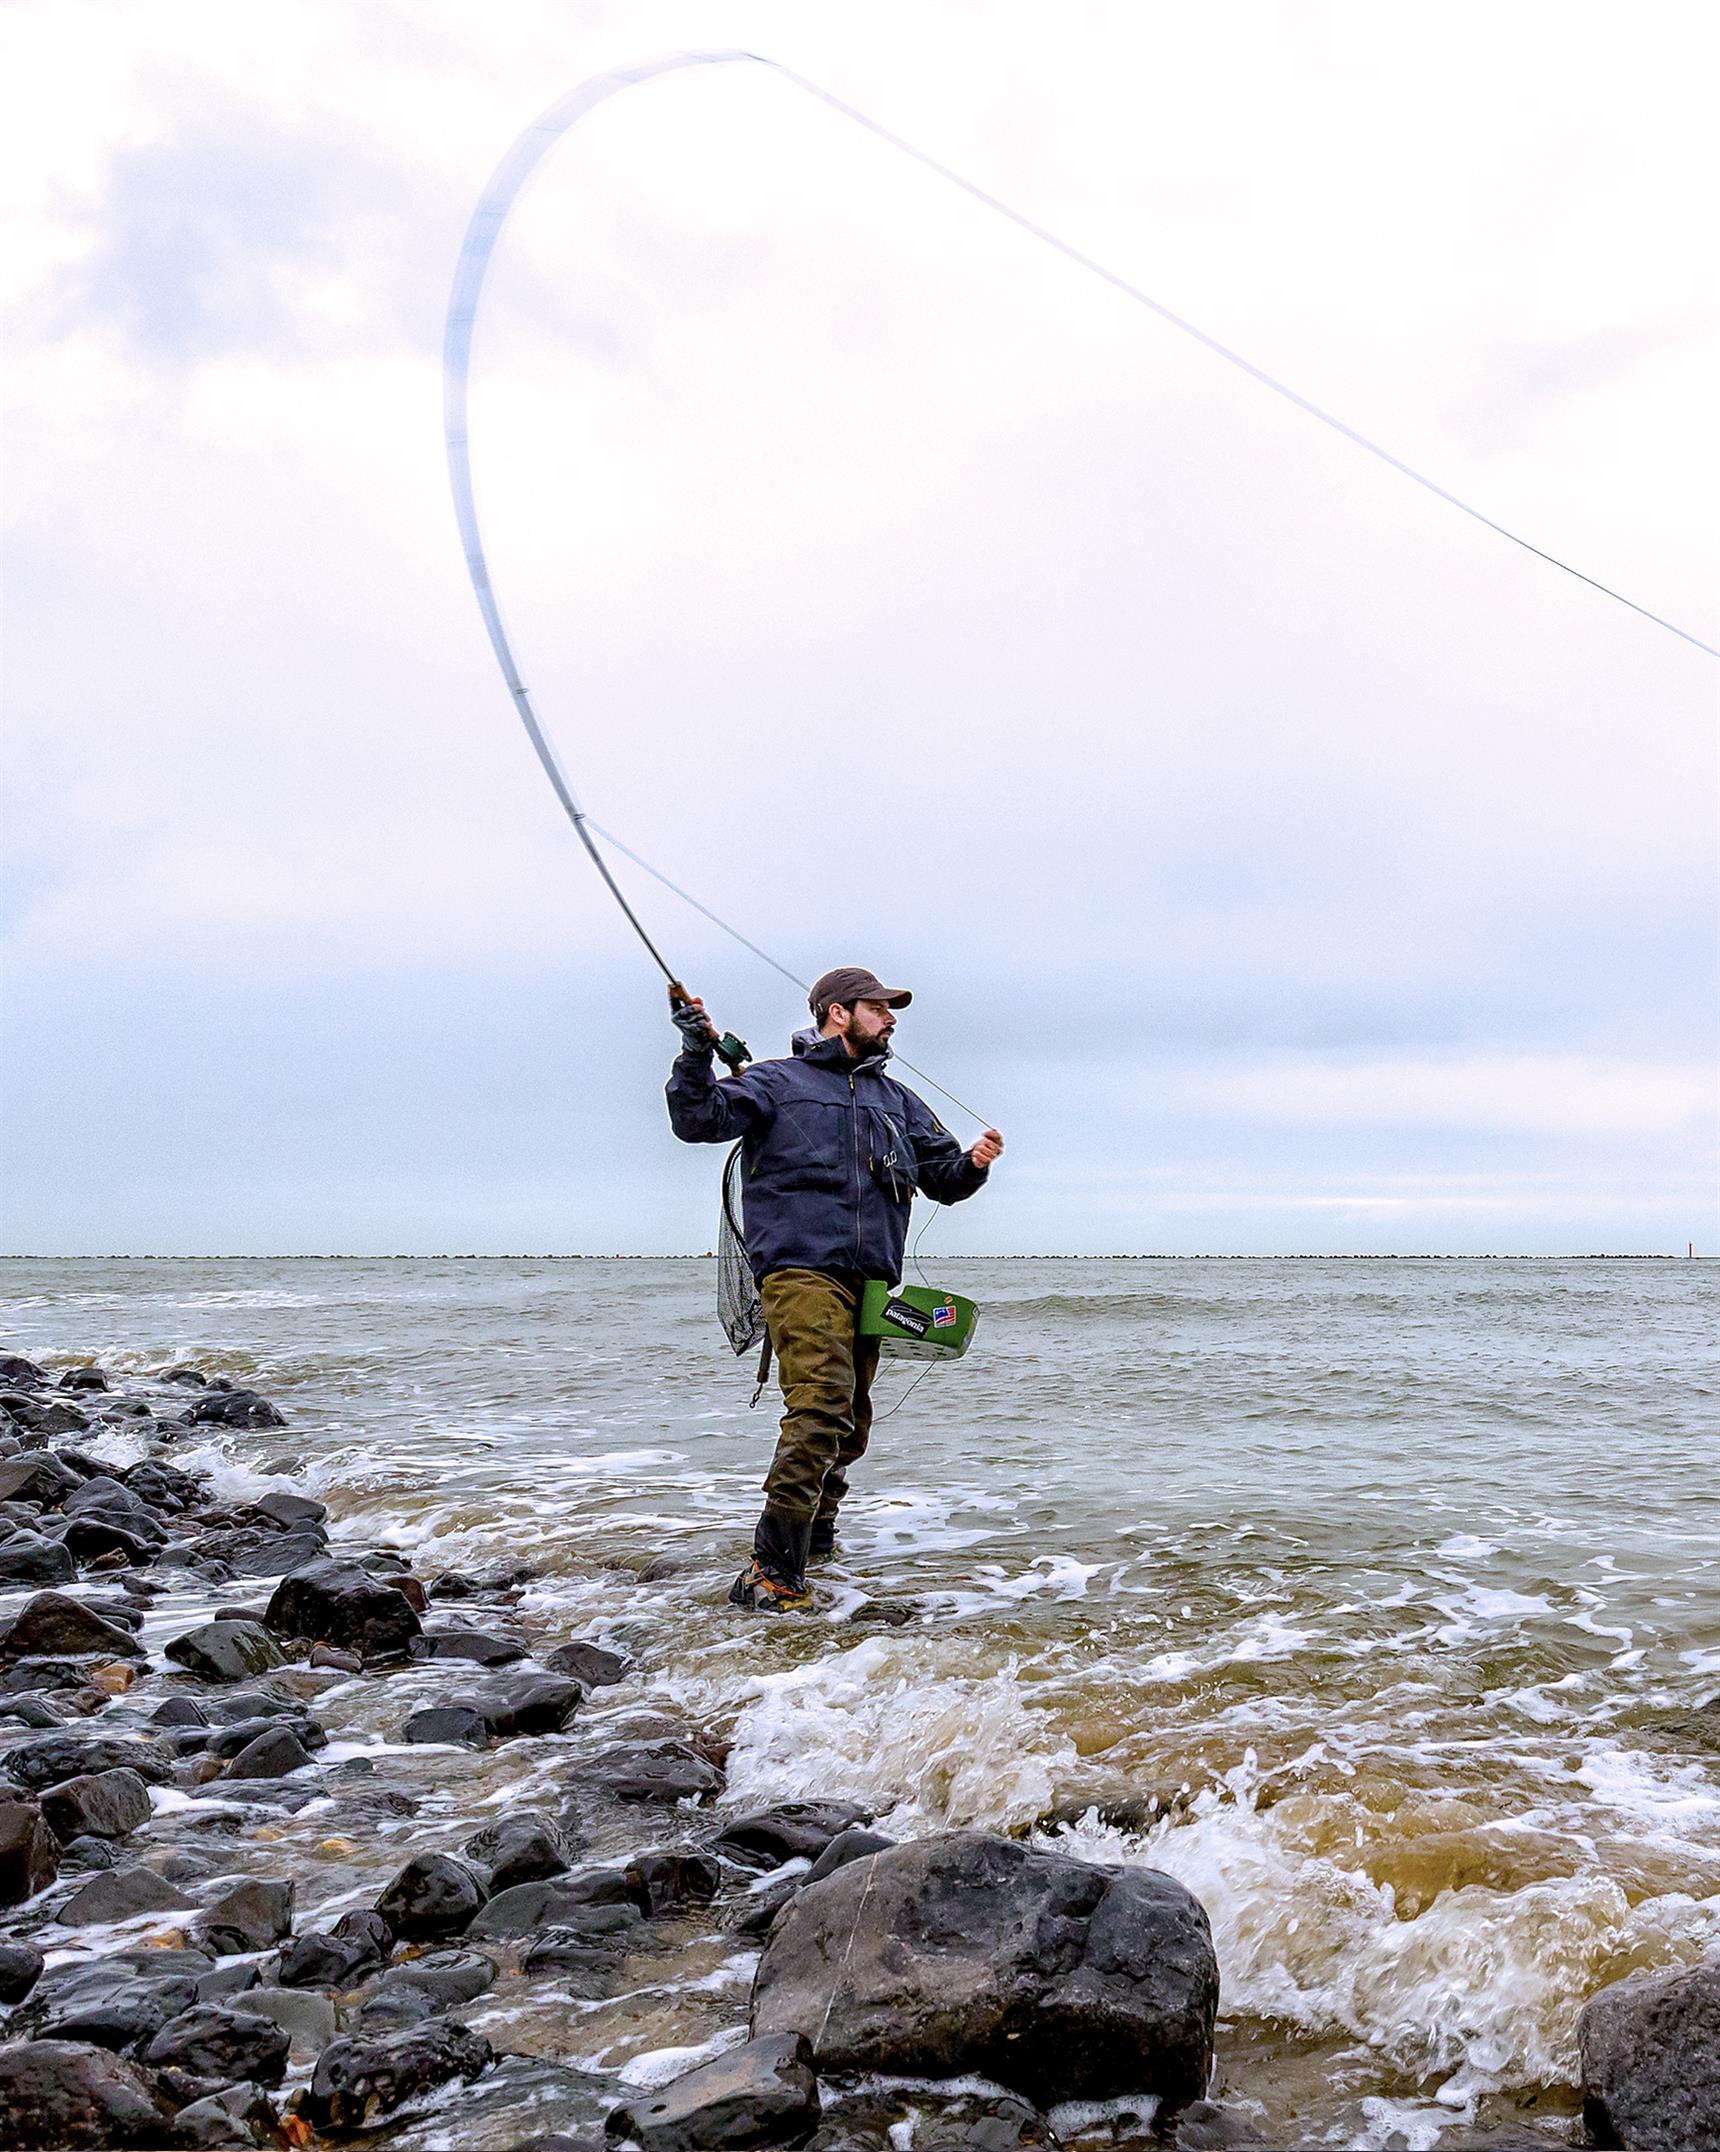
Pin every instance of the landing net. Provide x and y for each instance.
(739, 1308)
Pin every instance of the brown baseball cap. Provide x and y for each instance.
(850, 983)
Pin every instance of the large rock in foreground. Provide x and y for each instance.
(975, 1955)
(760, 2094)
(1650, 2050)
(341, 1604)
(61, 2093)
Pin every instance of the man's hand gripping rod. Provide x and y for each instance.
(698, 1030)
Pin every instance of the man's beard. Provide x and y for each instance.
(873, 1049)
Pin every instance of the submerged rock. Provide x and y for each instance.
(484, 1647)
(273, 1753)
(761, 2094)
(793, 1830)
(563, 1901)
(520, 1849)
(358, 2081)
(665, 1771)
(1650, 2062)
(589, 1664)
(235, 1408)
(973, 1955)
(53, 1757)
(120, 1894)
(426, 1987)
(62, 2093)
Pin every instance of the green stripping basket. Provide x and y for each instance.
(916, 1322)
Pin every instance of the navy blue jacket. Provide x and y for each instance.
(834, 1150)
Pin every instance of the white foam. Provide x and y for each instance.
(662, 2065)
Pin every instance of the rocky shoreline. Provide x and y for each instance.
(224, 1925)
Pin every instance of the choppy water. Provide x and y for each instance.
(1382, 1576)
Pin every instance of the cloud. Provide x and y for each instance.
(1552, 1094)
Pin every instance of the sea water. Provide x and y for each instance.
(1373, 1591)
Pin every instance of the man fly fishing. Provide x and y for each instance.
(834, 1151)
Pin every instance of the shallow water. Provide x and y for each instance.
(1381, 1576)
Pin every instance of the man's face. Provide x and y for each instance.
(863, 1028)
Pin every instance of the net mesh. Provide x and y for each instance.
(739, 1309)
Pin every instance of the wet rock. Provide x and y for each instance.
(520, 1849)
(99, 1542)
(846, 1846)
(793, 1830)
(339, 1603)
(222, 1982)
(459, 1584)
(589, 1664)
(120, 1894)
(665, 1771)
(968, 1954)
(308, 2020)
(56, 2094)
(29, 1854)
(486, 1647)
(84, 1856)
(185, 1373)
(84, 1378)
(47, 1759)
(20, 1968)
(434, 1895)
(229, 2045)
(17, 1372)
(562, 1901)
(102, 1492)
(225, 1651)
(38, 1479)
(53, 1625)
(28, 1558)
(249, 1916)
(235, 1408)
(110, 2003)
(357, 1946)
(1204, 2126)
(163, 1486)
(427, 1987)
(45, 1419)
(527, 1703)
(278, 1554)
(236, 2115)
(357, 2081)
(761, 2094)
(179, 1711)
(756, 1913)
(884, 1614)
(31, 1711)
(273, 1754)
(675, 1876)
(338, 1662)
(1649, 2050)
(96, 1804)
(461, 1724)
(290, 1512)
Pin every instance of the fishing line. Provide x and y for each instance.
(476, 251)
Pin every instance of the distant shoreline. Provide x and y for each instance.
(944, 1261)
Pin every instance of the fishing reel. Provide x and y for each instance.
(732, 1052)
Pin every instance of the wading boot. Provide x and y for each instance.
(774, 1581)
(821, 1547)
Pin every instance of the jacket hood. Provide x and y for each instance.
(812, 1045)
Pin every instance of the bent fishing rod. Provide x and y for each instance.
(476, 251)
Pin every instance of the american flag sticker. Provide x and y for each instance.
(943, 1317)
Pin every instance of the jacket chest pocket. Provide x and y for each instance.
(893, 1164)
(810, 1147)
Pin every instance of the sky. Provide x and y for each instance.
(1284, 862)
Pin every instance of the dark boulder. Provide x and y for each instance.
(675, 1876)
(48, 1758)
(194, 1377)
(179, 1711)
(110, 2002)
(20, 1968)
(51, 1418)
(358, 2081)
(57, 2095)
(426, 1987)
(53, 1625)
(85, 1378)
(846, 1846)
(234, 1408)
(661, 1771)
(483, 1647)
(38, 1479)
(82, 1856)
(278, 1554)
(529, 1703)
(433, 1896)
(290, 1512)
(28, 1558)
(231, 2046)
(520, 1849)
(29, 1852)
(224, 1651)
(973, 1955)
(96, 1804)
(16, 1372)
(563, 1901)
(236, 2115)
(462, 1724)
(249, 1916)
(357, 1946)
(99, 1541)
(589, 1664)
(1649, 2051)
(271, 1754)
(793, 1830)
(120, 1894)
(761, 2094)
(339, 1603)
(103, 1493)
(164, 1487)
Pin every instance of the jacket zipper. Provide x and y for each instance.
(854, 1117)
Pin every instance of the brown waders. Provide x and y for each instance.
(826, 1375)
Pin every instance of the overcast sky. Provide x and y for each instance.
(1280, 859)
